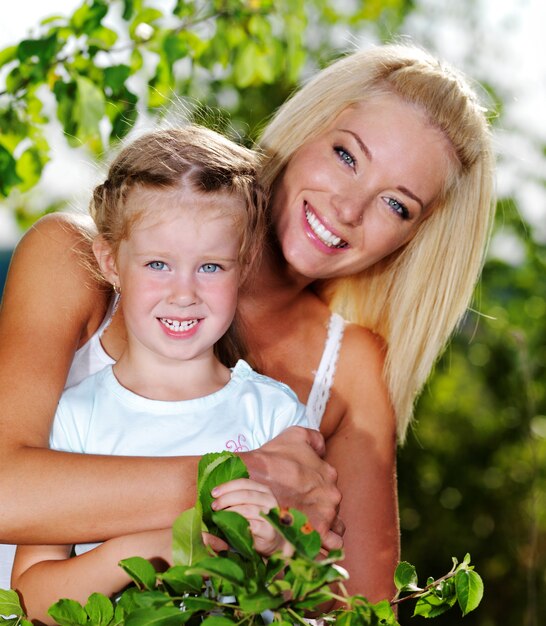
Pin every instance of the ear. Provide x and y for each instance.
(106, 259)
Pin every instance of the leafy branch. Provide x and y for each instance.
(238, 586)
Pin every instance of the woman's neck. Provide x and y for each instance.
(273, 285)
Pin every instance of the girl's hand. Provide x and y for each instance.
(250, 498)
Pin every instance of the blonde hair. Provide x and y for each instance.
(195, 158)
(414, 298)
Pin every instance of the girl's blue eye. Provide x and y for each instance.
(210, 268)
(157, 265)
(345, 156)
(397, 207)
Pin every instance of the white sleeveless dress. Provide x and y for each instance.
(92, 357)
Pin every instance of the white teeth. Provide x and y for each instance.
(327, 238)
(177, 325)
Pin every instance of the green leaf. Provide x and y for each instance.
(88, 109)
(220, 566)
(217, 620)
(405, 576)
(215, 469)
(180, 581)
(258, 602)
(384, 612)
(188, 546)
(164, 616)
(432, 606)
(7, 55)
(469, 587)
(68, 613)
(100, 609)
(10, 603)
(236, 530)
(29, 167)
(199, 604)
(294, 527)
(8, 172)
(140, 570)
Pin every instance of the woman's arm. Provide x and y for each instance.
(50, 306)
(44, 574)
(363, 450)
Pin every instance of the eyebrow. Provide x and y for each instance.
(412, 195)
(359, 141)
(368, 154)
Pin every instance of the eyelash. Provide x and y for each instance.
(342, 154)
(400, 209)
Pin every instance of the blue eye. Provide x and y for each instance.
(210, 268)
(345, 156)
(157, 265)
(397, 207)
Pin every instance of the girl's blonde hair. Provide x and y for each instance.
(187, 158)
(415, 297)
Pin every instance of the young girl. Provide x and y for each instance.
(179, 222)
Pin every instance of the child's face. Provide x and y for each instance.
(179, 273)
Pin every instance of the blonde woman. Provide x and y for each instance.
(380, 172)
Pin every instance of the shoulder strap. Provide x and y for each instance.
(324, 376)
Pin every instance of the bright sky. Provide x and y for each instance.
(508, 50)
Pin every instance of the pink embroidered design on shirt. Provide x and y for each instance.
(237, 446)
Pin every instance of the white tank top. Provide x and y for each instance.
(324, 376)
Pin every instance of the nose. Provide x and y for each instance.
(349, 209)
(183, 291)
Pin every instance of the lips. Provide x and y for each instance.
(323, 234)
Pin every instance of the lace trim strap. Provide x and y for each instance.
(324, 376)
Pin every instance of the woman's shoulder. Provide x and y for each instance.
(68, 230)
(51, 268)
(360, 383)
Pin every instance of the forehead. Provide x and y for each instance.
(146, 206)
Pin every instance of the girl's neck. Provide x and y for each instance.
(157, 378)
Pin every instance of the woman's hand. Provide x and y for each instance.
(250, 499)
(291, 465)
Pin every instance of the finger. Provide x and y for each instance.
(332, 541)
(214, 542)
(338, 526)
(316, 441)
(263, 500)
(238, 484)
(249, 511)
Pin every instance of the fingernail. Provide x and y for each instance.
(214, 492)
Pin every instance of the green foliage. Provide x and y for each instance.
(238, 585)
(477, 457)
(241, 56)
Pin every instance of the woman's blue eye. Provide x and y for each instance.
(397, 207)
(157, 265)
(209, 268)
(345, 156)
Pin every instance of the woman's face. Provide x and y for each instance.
(357, 192)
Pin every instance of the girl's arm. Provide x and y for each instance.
(50, 306)
(44, 574)
(363, 450)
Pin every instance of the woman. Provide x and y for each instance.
(381, 178)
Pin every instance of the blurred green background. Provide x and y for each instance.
(472, 472)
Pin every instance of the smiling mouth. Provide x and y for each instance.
(177, 326)
(322, 233)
